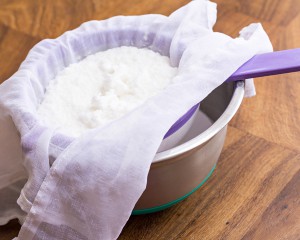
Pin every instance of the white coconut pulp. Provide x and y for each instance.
(103, 87)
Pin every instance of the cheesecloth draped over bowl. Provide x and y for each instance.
(86, 188)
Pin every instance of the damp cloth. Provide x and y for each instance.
(86, 188)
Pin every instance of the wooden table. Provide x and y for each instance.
(255, 191)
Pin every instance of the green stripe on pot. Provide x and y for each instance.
(169, 204)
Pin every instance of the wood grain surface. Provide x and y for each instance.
(254, 192)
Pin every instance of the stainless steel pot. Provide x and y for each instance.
(178, 172)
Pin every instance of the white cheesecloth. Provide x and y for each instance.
(86, 188)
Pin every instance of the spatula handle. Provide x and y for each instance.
(267, 64)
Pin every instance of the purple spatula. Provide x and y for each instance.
(267, 64)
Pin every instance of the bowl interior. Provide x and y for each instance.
(219, 106)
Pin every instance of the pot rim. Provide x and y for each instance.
(217, 126)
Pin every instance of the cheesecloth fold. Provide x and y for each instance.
(86, 188)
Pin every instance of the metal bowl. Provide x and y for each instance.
(178, 172)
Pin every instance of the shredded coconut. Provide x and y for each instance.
(103, 87)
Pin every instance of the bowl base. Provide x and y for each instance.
(170, 204)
